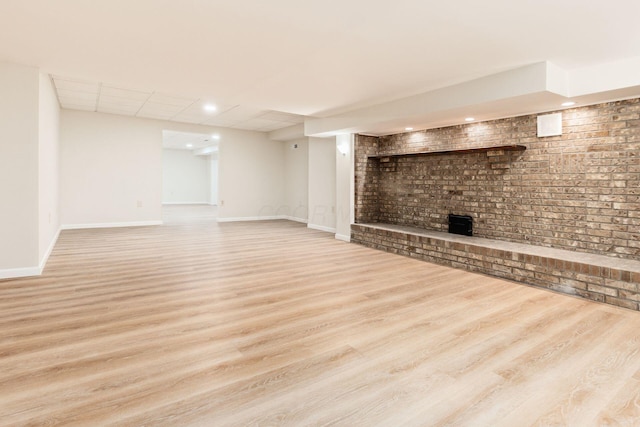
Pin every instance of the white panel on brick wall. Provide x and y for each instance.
(550, 125)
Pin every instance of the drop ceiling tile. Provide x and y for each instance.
(77, 94)
(76, 85)
(115, 109)
(241, 113)
(72, 94)
(76, 101)
(197, 108)
(78, 107)
(157, 116)
(133, 95)
(159, 98)
(164, 109)
(117, 101)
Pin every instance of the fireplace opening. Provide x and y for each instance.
(461, 224)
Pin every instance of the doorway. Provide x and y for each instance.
(189, 168)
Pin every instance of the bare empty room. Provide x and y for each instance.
(319, 213)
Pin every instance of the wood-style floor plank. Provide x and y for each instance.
(195, 323)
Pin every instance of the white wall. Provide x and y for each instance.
(110, 169)
(48, 146)
(108, 163)
(296, 179)
(213, 178)
(344, 186)
(185, 177)
(251, 178)
(322, 184)
(19, 91)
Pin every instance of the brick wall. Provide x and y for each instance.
(579, 191)
(366, 179)
(614, 281)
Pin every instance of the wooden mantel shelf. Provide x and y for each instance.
(461, 151)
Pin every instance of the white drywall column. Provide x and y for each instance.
(344, 186)
(296, 182)
(322, 184)
(19, 86)
(48, 171)
(29, 116)
(251, 178)
(213, 179)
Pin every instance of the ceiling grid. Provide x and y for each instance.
(105, 98)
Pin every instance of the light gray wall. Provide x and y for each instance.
(110, 169)
(185, 177)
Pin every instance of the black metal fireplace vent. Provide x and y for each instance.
(461, 224)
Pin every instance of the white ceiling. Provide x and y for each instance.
(329, 59)
(77, 94)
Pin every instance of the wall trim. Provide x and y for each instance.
(250, 218)
(47, 254)
(262, 218)
(343, 237)
(321, 228)
(110, 225)
(186, 203)
(296, 219)
(14, 273)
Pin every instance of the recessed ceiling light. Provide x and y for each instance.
(215, 136)
(408, 128)
(469, 119)
(189, 145)
(210, 107)
(568, 104)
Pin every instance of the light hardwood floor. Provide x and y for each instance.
(270, 323)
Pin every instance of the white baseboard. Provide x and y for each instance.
(250, 218)
(293, 218)
(321, 228)
(262, 218)
(110, 225)
(47, 254)
(186, 203)
(13, 273)
(343, 237)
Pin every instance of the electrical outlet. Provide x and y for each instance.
(221, 202)
(139, 204)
